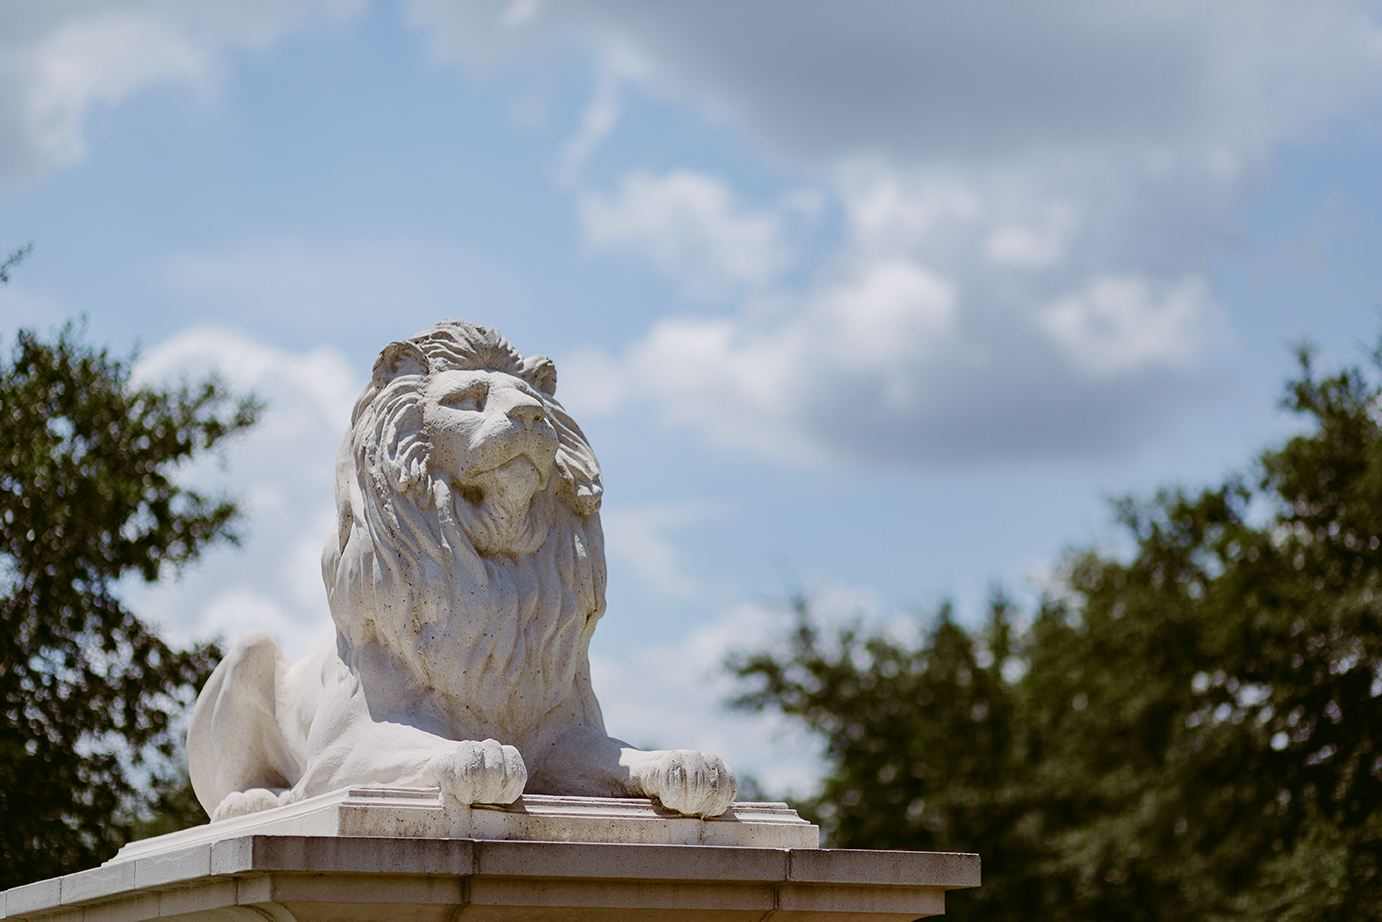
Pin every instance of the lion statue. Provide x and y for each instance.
(465, 575)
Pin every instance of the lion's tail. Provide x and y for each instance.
(245, 730)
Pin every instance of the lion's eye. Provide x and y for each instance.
(472, 398)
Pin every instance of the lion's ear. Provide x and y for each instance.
(539, 371)
(398, 358)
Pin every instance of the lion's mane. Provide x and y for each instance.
(411, 567)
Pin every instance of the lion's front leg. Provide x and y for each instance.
(469, 771)
(684, 780)
(586, 762)
(483, 772)
(348, 746)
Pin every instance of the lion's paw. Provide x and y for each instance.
(693, 783)
(485, 772)
(243, 803)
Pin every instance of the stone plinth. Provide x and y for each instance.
(387, 854)
(424, 813)
(321, 879)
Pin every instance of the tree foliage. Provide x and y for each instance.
(88, 692)
(1192, 730)
(14, 259)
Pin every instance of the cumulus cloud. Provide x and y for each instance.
(1034, 194)
(60, 59)
(1034, 197)
(918, 344)
(283, 470)
(690, 227)
(1120, 324)
(960, 81)
(768, 384)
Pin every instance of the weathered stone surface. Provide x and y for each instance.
(305, 879)
(465, 574)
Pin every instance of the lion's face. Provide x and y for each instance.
(468, 541)
(489, 433)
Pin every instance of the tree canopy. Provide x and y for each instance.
(1190, 730)
(89, 693)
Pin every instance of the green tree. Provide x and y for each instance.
(924, 739)
(89, 694)
(1187, 731)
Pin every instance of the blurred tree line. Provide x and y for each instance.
(90, 695)
(1188, 731)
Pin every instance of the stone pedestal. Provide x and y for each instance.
(389, 854)
(423, 813)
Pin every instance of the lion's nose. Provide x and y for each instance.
(524, 408)
(529, 413)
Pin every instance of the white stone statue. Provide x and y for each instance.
(465, 575)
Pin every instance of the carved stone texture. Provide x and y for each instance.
(465, 574)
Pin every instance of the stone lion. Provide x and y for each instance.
(465, 575)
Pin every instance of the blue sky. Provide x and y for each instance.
(881, 300)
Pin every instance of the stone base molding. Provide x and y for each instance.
(256, 878)
(410, 855)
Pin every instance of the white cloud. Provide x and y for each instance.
(1034, 199)
(1027, 246)
(602, 112)
(998, 171)
(1119, 324)
(59, 59)
(955, 82)
(891, 309)
(690, 227)
(891, 211)
(919, 343)
(733, 382)
(600, 116)
(924, 341)
(283, 469)
(770, 384)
